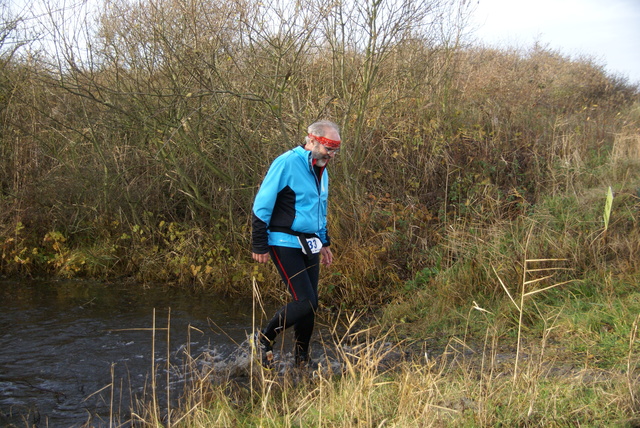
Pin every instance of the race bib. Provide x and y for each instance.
(314, 245)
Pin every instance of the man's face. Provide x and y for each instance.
(321, 153)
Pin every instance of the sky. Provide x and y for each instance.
(606, 30)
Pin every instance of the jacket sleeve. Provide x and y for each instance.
(263, 206)
(259, 236)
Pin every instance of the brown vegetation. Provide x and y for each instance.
(142, 159)
(138, 154)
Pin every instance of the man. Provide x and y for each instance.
(290, 227)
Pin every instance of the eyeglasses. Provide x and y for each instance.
(330, 151)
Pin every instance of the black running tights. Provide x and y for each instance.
(300, 275)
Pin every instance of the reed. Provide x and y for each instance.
(462, 384)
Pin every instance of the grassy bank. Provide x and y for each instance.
(569, 368)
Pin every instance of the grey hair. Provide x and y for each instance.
(319, 128)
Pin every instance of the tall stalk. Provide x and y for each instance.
(530, 268)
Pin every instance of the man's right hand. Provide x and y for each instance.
(261, 258)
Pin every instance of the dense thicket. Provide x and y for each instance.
(138, 154)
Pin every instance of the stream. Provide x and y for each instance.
(63, 343)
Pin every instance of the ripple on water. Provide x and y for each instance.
(60, 342)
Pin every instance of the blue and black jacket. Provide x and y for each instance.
(292, 201)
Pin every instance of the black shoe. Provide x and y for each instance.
(263, 350)
(303, 361)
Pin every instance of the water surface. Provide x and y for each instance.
(62, 343)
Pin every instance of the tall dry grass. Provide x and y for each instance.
(369, 379)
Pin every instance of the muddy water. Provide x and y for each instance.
(62, 343)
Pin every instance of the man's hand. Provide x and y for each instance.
(261, 258)
(327, 256)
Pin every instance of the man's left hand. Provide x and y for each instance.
(326, 256)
